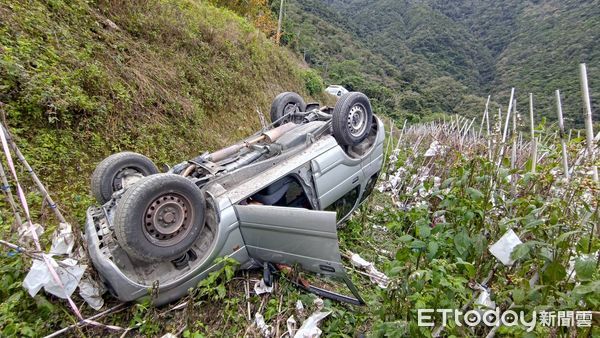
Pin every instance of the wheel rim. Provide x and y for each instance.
(357, 120)
(168, 219)
(289, 108)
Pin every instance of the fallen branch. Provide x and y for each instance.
(20, 249)
(86, 322)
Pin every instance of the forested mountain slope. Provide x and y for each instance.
(442, 51)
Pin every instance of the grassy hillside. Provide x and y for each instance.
(443, 51)
(169, 79)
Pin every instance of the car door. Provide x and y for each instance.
(335, 174)
(292, 236)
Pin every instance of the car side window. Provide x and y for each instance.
(286, 192)
(345, 204)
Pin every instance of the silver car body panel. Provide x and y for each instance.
(328, 168)
(292, 236)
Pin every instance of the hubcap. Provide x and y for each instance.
(168, 219)
(357, 120)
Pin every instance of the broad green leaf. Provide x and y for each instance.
(535, 223)
(479, 244)
(43, 305)
(520, 251)
(221, 291)
(27, 331)
(475, 194)
(563, 237)
(432, 249)
(403, 254)
(583, 246)
(406, 238)
(547, 254)
(423, 231)
(418, 244)
(447, 182)
(469, 215)
(468, 266)
(462, 243)
(554, 272)
(585, 268)
(394, 271)
(583, 289)
(518, 295)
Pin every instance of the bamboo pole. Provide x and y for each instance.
(487, 118)
(589, 132)
(35, 178)
(279, 22)
(513, 151)
(466, 132)
(485, 113)
(9, 196)
(500, 118)
(533, 138)
(401, 134)
(487, 136)
(390, 142)
(561, 131)
(497, 133)
(569, 137)
(89, 320)
(505, 133)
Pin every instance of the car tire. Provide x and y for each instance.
(282, 105)
(107, 178)
(160, 218)
(352, 118)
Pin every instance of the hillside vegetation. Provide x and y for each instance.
(169, 79)
(433, 56)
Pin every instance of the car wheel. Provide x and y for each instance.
(118, 171)
(285, 103)
(352, 118)
(160, 218)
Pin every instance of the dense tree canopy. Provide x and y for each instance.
(434, 55)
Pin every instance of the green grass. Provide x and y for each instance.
(174, 79)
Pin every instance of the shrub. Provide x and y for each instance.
(313, 82)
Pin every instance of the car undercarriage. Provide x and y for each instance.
(272, 200)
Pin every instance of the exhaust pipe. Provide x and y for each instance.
(269, 136)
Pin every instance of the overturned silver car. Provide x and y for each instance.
(273, 198)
